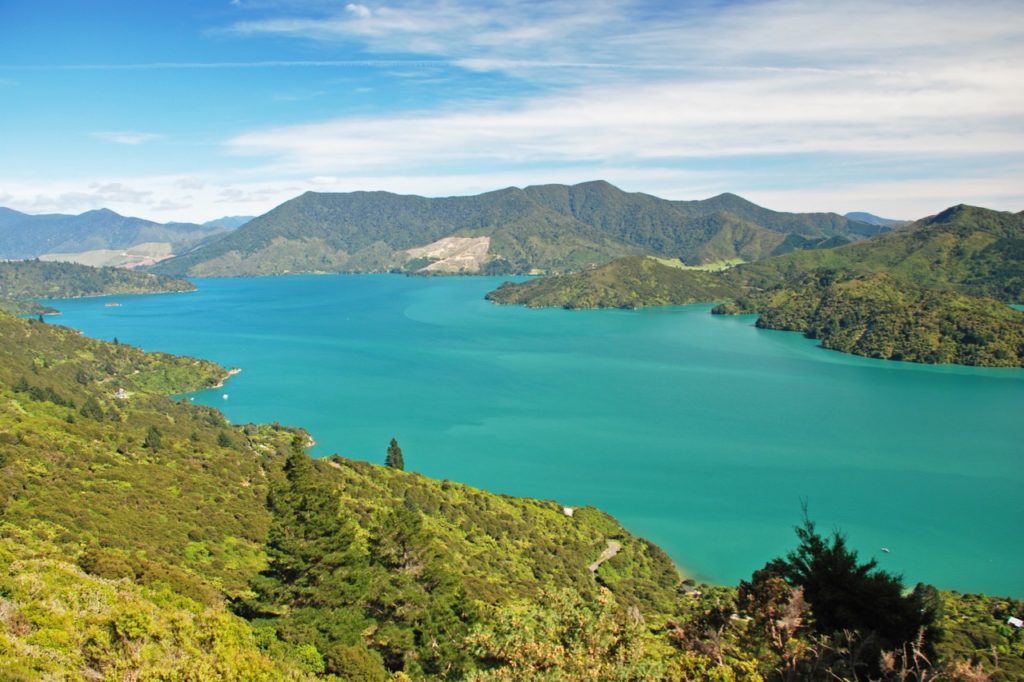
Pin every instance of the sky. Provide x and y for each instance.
(189, 110)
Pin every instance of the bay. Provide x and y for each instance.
(699, 432)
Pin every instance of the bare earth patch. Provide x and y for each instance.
(454, 254)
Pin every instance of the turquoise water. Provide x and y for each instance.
(699, 432)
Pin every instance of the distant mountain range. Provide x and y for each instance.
(547, 228)
(872, 219)
(31, 236)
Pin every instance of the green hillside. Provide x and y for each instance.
(22, 282)
(145, 538)
(976, 251)
(879, 316)
(554, 228)
(623, 283)
(930, 293)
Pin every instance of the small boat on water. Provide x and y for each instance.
(112, 304)
(885, 549)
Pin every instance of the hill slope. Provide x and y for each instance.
(976, 251)
(922, 294)
(879, 316)
(22, 282)
(105, 480)
(624, 283)
(551, 228)
(142, 538)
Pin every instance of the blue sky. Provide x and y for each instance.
(189, 110)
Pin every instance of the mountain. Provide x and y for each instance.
(933, 292)
(29, 236)
(553, 228)
(228, 222)
(976, 251)
(872, 219)
(22, 282)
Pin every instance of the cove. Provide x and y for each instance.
(699, 432)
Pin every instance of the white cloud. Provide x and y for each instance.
(632, 84)
(361, 11)
(126, 137)
(766, 114)
(529, 38)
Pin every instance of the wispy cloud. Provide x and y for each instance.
(217, 66)
(126, 137)
(643, 83)
(522, 36)
(949, 112)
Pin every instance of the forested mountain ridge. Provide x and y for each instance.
(23, 282)
(24, 235)
(923, 293)
(974, 250)
(554, 228)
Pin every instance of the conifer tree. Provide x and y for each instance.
(394, 457)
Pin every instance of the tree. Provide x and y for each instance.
(847, 596)
(394, 457)
(153, 438)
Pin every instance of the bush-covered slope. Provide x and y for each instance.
(142, 538)
(881, 317)
(623, 283)
(21, 282)
(924, 294)
(194, 512)
(976, 251)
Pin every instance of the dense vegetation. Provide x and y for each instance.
(975, 251)
(145, 538)
(549, 227)
(22, 282)
(29, 236)
(879, 316)
(624, 283)
(930, 293)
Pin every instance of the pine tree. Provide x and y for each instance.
(394, 457)
(153, 439)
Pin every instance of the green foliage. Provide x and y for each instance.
(975, 251)
(847, 596)
(562, 637)
(623, 283)
(153, 438)
(59, 623)
(881, 317)
(394, 458)
(126, 530)
(21, 282)
(910, 295)
(973, 629)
